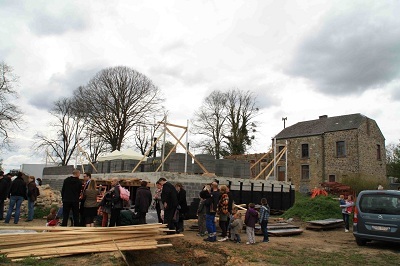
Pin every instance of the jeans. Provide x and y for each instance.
(210, 224)
(14, 201)
(346, 220)
(264, 229)
(31, 205)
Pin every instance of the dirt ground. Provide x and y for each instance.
(333, 247)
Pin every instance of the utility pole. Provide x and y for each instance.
(284, 121)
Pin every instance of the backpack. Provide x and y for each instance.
(124, 194)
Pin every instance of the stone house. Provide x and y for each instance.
(331, 148)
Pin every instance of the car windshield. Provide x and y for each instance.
(380, 204)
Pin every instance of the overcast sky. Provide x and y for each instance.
(302, 59)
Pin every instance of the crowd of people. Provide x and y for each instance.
(217, 200)
(82, 202)
(17, 189)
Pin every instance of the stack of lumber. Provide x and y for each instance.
(283, 229)
(58, 241)
(330, 223)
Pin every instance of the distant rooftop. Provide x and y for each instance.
(322, 125)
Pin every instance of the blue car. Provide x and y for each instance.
(377, 216)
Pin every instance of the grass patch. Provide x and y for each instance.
(318, 208)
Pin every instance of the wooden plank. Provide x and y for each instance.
(285, 232)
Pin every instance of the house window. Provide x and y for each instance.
(280, 148)
(378, 152)
(304, 151)
(340, 149)
(332, 178)
(305, 172)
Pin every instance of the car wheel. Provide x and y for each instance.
(360, 241)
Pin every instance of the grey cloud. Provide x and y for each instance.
(352, 51)
(49, 24)
(61, 85)
(178, 72)
(173, 46)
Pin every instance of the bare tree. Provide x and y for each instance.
(68, 127)
(116, 100)
(210, 122)
(10, 114)
(225, 120)
(241, 108)
(93, 145)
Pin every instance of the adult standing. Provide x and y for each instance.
(348, 206)
(70, 193)
(223, 211)
(4, 185)
(169, 198)
(142, 201)
(90, 203)
(32, 196)
(182, 203)
(117, 203)
(157, 202)
(17, 196)
(212, 205)
(87, 177)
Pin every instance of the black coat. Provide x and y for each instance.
(143, 199)
(169, 195)
(5, 183)
(71, 189)
(18, 187)
(182, 201)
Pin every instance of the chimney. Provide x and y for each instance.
(323, 116)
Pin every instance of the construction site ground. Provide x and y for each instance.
(330, 247)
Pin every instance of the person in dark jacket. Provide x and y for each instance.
(70, 193)
(169, 197)
(211, 205)
(250, 220)
(17, 196)
(182, 203)
(32, 196)
(142, 201)
(117, 203)
(4, 186)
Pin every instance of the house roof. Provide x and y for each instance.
(322, 125)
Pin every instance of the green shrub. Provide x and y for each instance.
(318, 208)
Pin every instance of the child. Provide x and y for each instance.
(231, 218)
(236, 227)
(250, 220)
(52, 219)
(201, 213)
(264, 216)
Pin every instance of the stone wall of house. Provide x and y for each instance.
(341, 166)
(315, 162)
(360, 160)
(370, 137)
